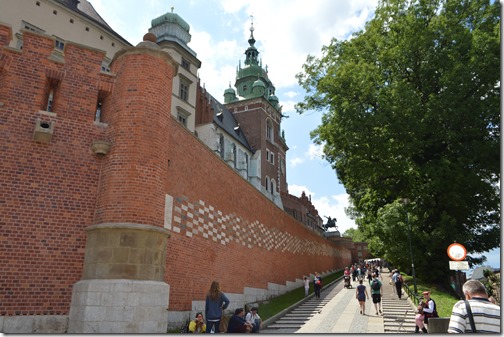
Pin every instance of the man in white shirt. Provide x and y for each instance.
(253, 317)
(486, 315)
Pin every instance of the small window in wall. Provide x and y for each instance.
(221, 145)
(182, 120)
(19, 44)
(234, 155)
(50, 95)
(269, 130)
(267, 185)
(246, 163)
(105, 65)
(270, 156)
(244, 88)
(50, 100)
(273, 184)
(98, 113)
(182, 116)
(184, 91)
(185, 64)
(59, 44)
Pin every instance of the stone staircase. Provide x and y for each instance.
(398, 314)
(299, 315)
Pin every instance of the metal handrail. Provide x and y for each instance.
(415, 298)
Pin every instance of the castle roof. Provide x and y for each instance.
(225, 120)
(84, 8)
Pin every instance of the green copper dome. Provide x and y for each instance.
(230, 91)
(259, 83)
(170, 17)
(273, 98)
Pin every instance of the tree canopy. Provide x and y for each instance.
(411, 111)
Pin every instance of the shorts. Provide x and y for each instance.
(376, 298)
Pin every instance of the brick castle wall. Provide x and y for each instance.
(48, 191)
(221, 227)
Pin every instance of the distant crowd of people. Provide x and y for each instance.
(476, 313)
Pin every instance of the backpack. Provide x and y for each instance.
(375, 285)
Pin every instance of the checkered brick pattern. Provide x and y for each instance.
(199, 219)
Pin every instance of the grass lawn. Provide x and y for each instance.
(444, 301)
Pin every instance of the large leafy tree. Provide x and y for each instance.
(411, 111)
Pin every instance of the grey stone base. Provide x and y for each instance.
(119, 306)
(33, 324)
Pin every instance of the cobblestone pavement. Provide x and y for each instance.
(338, 312)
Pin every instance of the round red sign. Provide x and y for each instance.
(456, 252)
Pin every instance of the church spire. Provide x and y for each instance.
(251, 40)
(251, 52)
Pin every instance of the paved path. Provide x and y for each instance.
(338, 312)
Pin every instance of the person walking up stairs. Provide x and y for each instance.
(398, 313)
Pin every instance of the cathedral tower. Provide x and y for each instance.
(256, 108)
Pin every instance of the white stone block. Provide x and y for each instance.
(18, 324)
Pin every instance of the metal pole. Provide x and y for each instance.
(411, 255)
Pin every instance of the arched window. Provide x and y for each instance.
(273, 184)
(269, 130)
(267, 185)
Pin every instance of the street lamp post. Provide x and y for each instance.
(410, 249)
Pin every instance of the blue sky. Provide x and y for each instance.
(286, 31)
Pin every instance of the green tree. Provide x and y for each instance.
(355, 234)
(411, 110)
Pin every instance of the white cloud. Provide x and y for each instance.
(286, 32)
(315, 151)
(291, 94)
(296, 161)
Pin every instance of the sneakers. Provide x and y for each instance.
(381, 312)
(377, 313)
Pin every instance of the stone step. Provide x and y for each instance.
(312, 305)
(283, 326)
(287, 319)
(294, 314)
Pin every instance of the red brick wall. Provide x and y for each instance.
(51, 192)
(5, 35)
(48, 191)
(194, 262)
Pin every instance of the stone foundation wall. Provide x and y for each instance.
(119, 306)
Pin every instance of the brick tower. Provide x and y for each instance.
(125, 256)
